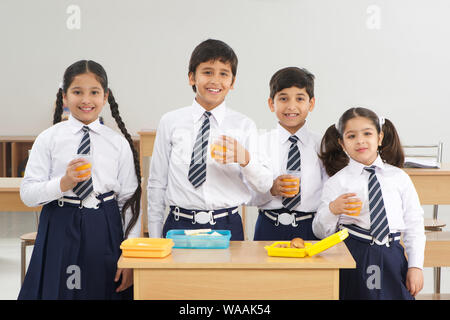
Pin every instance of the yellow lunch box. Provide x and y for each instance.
(310, 248)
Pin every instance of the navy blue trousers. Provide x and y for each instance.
(75, 254)
(232, 222)
(380, 272)
(266, 230)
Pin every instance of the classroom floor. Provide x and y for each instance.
(12, 225)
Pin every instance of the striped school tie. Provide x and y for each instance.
(84, 188)
(293, 164)
(379, 227)
(197, 168)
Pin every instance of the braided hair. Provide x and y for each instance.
(86, 66)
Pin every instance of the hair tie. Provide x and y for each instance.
(336, 125)
(381, 121)
(61, 85)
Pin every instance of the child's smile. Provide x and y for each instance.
(291, 115)
(86, 109)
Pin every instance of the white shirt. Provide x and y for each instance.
(276, 145)
(226, 185)
(403, 210)
(112, 165)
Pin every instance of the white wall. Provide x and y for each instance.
(400, 70)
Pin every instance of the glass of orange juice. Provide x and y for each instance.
(295, 181)
(356, 210)
(216, 147)
(363, 199)
(84, 166)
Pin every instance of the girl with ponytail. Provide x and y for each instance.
(87, 177)
(370, 196)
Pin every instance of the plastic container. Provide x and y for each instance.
(146, 247)
(310, 249)
(183, 241)
(273, 251)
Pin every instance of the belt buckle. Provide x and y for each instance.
(90, 202)
(286, 218)
(202, 217)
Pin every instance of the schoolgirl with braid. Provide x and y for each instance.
(87, 213)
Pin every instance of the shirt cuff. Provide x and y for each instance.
(415, 262)
(53, 189)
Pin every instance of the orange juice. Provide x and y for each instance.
(84, 167)
(356, 210)
(295, 184)
(218, 148)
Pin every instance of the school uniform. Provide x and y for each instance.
(375, 258)
(275, 220)
(78, 244)
(212, 204)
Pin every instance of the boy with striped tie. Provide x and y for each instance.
(287, 210)
(205, 159)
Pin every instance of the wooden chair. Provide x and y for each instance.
(27, 239)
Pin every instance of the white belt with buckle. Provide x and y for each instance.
(287, 218)
(89, 202)
(201, 217)
(385, 241)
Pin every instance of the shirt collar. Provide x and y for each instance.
(358, 167)
(302, 134)
(217, 113)
(76, 125)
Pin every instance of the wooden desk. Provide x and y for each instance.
(437, 249)
(432, 185)
(243, 271)
(10, 196)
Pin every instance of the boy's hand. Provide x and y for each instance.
(414, 281)
(341, 204)
(231, 151)
(279, 186)
(70, 180)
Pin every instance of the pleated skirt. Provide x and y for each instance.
(75, 254)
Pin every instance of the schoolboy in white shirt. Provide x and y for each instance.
(203, 186)
(287, 211)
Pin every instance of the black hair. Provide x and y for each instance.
(211, 50)
(89, 66)
(292, 77)
(334, 157)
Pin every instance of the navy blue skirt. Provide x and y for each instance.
(266, 230)
(75, 254)
(380, 272)
(232, 222)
